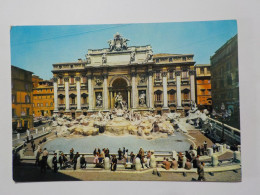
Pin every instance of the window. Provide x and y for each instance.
(13, 112)
(157, 60)
(158, 97)
(27, 111)
(185, 74)
(84, 79)
(184, 58)
(47, 105)
(41, 104)
(84, 100)
(171, 74)
(72, 80)
(186, 96)
(172, 97)
(158, 75)
(51, 104)
(60, 80)
(170, 59)
(201, 70)
(73, 100)
(38, 105)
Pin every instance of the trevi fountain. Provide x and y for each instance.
(121, 127)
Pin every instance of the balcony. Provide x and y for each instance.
(171, 81)
(61, 106)
(186, 102)
(83, 86)
(73, 106)
(84, 106)
(158, 103)
(60, 87)
(72, 86)
(172, 103)
(185, 81)
(158, 81)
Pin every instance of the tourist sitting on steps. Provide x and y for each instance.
(187, 165)
(83, 162)
(180, 160)
(166, 164)
(174, 164)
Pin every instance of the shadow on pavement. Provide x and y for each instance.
(27, 172)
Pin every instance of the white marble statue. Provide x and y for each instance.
(119, 101)
(142, 99)
(99, 100)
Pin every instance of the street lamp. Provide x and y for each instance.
(224, 115)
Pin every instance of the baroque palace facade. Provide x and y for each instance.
(124, 77)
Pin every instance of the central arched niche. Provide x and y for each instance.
(119, 85)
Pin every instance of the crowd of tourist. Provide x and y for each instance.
(123, 156)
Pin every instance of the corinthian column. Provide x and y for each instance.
(105, 95)
(165, 99)
(55, 88)
(133, 74)
(90, 92)
(78, 94)
(178, 80)
(192, 85)
(67, 100)
(150, 88)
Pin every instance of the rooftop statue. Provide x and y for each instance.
(118, 43)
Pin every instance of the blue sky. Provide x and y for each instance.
(36, 48)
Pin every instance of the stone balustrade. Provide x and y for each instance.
(232, 135)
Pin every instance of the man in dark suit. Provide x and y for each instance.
(114, 163)
(75, 159)
(61, 160)
(55, 162)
